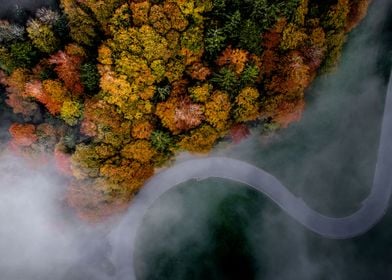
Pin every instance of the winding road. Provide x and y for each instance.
(371, 211)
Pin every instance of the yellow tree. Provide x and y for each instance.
(140, 150)
(247, 105)
(42, 36)
(83, 29)
(71, 112)
(103, 10)
(200, 93)
(140, 12)
(53, 95)
(217, 110)
(199, 140)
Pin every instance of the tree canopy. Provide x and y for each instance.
(114, 88)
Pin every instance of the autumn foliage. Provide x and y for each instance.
(239, 132)
(23, 134)
(67, 66)
(112, 89)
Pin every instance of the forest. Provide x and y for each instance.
(112, 90)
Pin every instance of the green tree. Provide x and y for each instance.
(162, 93)
(232, 25)
(214, 41)
(161, 140)
(6, 61)
(250, 36)
(250, 75)
(23, 54)
(226, 80)
(89, 76)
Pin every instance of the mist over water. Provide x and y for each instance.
(217, 229)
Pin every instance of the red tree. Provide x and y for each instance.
(239, 132)
(23, 134)
(68, 69)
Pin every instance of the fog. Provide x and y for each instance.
(8, 8)
(216, 229)
(32, 238)
(39, 238)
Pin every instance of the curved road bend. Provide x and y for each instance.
(372, 208)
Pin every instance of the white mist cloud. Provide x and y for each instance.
(33, 241)
(39, 236)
